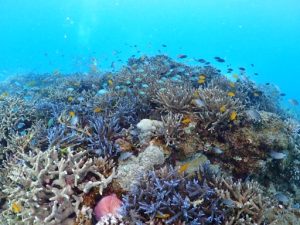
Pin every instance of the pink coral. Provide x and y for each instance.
(107, 205)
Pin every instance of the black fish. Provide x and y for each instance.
(282, 94)
(201, 60)
(181, 56)
(267, 83)
(163, 45)
(256, 74)
(242, 69)
(252, 64)
(218, 59)
(207, 63)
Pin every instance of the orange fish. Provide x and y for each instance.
(231, 94)
(183, 168)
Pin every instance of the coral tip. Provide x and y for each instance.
(107, 205)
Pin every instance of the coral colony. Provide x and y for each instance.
(158, 142)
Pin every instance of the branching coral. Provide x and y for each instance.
(170, 197)
(215, 109)
(171, 128)
(172, 97)
(49, 187)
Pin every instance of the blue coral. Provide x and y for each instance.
(181, 198)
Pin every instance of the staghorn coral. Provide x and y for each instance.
(171, 128)
(170, 197)
(101, 140)
(49, 187)
(172, 97)
(16, 117)
(214, 108)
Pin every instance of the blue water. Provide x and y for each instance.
(43, 36)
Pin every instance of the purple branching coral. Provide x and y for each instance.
(171, 197)
(101, 140)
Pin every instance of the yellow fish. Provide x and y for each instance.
(232, 84)
(31, 83)
(163, 216)
(183, 168)
(97, 110)
(70, 99)
(110, 82)
(16, 207)
(202, 77)
(196, 93)
(233, 116)
(235, 76)
(201, 81)
(72, 114)
(186, 120)
(223, 108)
(231, 94)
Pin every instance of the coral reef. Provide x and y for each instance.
(145, 134)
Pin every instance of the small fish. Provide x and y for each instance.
(217, 151)
(282, 198)
(223, 108)
(186, 121)
(163, 216)
(231, 94)
(293, 102)
(235, 76)
(16, 207)
(56, 72)
(201, 81)
(252, 64)
(31, 83)
(242, 69)
(257, 93)
(164, 46)
(74, 120)
(202, 77)
(125, 155)
(70, 89)
(20, 125)
(80, 98)
(97, 110)
(72, 113)
(50, 122)
(70, 99)
(233, 116)
(229, 203)
(282, 94)
(198, 102)
(218, 59)
(277, 155)
(110, 82)
(256, 74)
(267, 83)
(181, 56)
(253, 115)
(201, 60)
(232, 84)
(183, 168)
